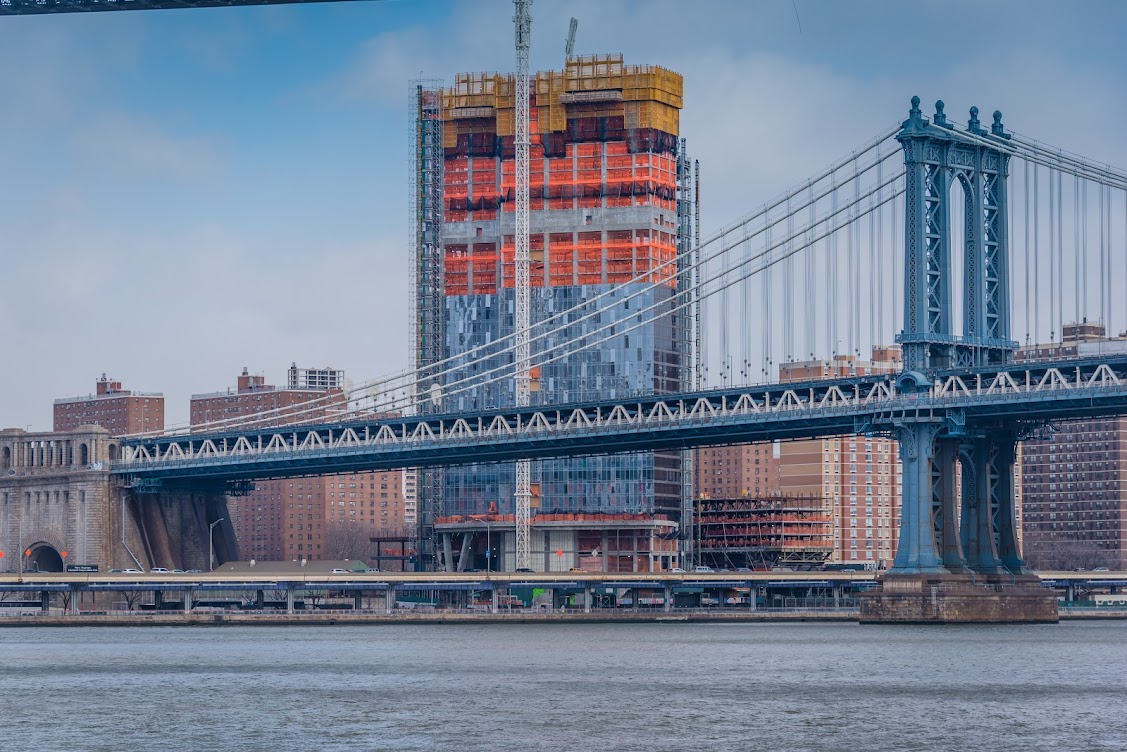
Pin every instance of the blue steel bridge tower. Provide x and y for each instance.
(938, 534)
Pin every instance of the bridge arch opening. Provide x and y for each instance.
(83, 454)
(6, 457)
(114, 452)
(43, 558)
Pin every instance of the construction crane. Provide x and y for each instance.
(570, 47)
(522, 21)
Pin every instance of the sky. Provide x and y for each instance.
(185, 193)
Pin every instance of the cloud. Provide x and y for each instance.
(172, 253)
(129, 146)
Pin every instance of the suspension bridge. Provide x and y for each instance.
(813, 271)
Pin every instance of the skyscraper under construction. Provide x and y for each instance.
(611, 225)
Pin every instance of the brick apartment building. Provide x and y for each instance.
(858, 476)
(115, 409)
(303, 518)
(740, 471)
(1073, 481)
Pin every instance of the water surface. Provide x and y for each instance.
(566, 687)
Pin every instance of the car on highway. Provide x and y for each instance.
(134, 571)
(159, 570)
(701, 569)
(677, 570)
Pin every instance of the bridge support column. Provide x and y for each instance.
(158, 600)
(978, 515)
(289, 600)
(951, 549)
(588, 596)
(668, 600)
(187, 600)
(493, 600)
(1005, 458)
(45, 600)
(389, 598)
(358, 600)
(259, 599)
(918, 551)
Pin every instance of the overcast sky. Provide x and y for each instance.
(184, 193)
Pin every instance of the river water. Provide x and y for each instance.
(565, 687)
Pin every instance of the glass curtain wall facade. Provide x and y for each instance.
(607, 222)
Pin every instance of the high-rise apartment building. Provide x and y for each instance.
(734, 472)
(857, 476)
(326, 517)
(610, 224)
(118, 410)
(1074, 475)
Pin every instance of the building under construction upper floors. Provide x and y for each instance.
(610, 213)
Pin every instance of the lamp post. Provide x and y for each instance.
(211, 544)
(488, 547)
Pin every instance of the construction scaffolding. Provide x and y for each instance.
(426, 334)
(762, 533)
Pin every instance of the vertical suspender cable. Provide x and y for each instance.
(867, 280)
(745, 317)
(1052, 256)
(831, 267)
(1060, 255)
(724, 313)
(1103, 261)
(831, 311)
(1076, 241)
(767, 322)
(897, 257)
(811, 308)
(851, 264)
(1084, 245)
(1036, 250)
(1025, 256)
(788, 291)
(879, 269)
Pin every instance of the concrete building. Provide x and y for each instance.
(59, 505)
(610, 200)
(1074, 476)
(303, 518)
(117, 410)
(734, 472)
(857, 476)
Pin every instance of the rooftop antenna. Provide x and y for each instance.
(570, 48)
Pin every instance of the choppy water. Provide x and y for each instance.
(565, 687)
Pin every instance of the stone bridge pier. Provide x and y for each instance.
(60, 506)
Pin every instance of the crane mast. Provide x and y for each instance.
(522, 20)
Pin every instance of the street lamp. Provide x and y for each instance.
(488, 547)
(211, 544)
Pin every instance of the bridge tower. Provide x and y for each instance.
(938, 535)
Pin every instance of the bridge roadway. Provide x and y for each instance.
(39, 7)
(413, 581)
(963, 402)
